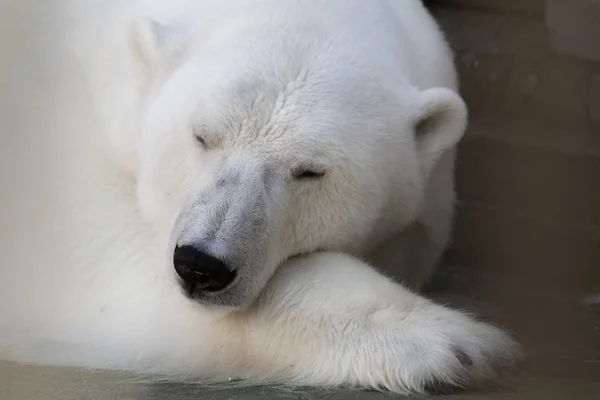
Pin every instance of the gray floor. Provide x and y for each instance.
(560, 332)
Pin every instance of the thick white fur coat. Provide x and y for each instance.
(101, 174)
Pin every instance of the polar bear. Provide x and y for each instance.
(251, 177)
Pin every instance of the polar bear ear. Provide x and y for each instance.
(441, 124)
(156, 44)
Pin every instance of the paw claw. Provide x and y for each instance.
(463, 358)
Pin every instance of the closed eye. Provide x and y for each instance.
(200, 141)
(200, 132)
(308, 174)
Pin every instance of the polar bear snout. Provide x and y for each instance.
(224, 243)
(200, 271)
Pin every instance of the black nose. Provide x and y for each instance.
(200, 271)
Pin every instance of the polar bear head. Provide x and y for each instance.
(255, 148)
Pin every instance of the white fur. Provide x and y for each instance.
(111, 177)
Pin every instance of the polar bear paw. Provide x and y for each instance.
(429, 349)
(330, 320)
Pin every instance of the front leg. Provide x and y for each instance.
(330, 320)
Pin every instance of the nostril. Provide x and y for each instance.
(201, 271)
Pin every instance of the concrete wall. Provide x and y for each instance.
(529, 169)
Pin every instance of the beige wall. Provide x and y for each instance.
(529, 169)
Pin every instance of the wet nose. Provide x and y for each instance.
(201, 271)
